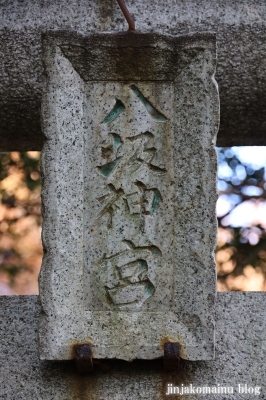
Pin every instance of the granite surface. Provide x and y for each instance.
(240, 359)
(129, 194)
(238, 24)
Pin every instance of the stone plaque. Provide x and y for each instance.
(129, 193)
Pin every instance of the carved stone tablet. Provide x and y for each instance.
(129, 193)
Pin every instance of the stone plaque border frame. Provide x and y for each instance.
(125, 57)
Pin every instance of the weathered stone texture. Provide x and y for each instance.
(129, 176)
(240, 28)
(240, 358)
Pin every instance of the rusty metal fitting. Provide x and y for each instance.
(83, 357)
(171, 356)
(127, 15)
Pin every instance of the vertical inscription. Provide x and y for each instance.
(130, 171)
(127, 272)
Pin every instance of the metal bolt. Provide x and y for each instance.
(171, 356)
(84, 358)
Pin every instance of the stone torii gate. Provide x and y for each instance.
(241, 75)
